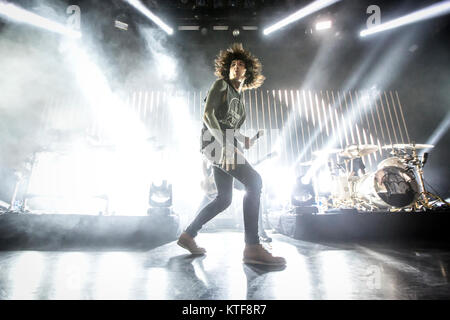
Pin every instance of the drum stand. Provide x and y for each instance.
(424, 199)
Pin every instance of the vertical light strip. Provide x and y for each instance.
(316, 100)
(365, 109)
(281, 138)
(289, 114)
(319, 118)
(264, 122)
(140, 107)
(369, 101)
(390, 117)
(258, 145)
(361, 122)
(325, 118)
(385, 119)
(305, 105)
(347, 120)
(299, 107)
(274, 109)
(338, 126)
(165, 117)
(381, 127)
(270, 121)
(311, 108)
(252, 121)
(403, 118)
(158, 112)
(396, 118)
(277, 138)
(145, 107)
(330, 114)
(294, 115)
(356, 112)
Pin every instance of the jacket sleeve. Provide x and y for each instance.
(213, 101)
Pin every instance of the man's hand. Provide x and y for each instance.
(249, 142)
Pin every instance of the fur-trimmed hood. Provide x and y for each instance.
(253, 77)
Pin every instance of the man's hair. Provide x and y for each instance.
(253, 77)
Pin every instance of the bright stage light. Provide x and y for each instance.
(18, 14)
(139, 6)
(309, 9)
(435, 10)
(323, 25)
(121, 25)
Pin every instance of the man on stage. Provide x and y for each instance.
(237, 70)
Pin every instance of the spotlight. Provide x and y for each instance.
(220, 28)
(188, 28)
(121, 21)
(303, 197)
(121, 25)
(161, 195)
(236, 32)
(432, 11)
(323, 25)
(204, 31)
(141, 8)
(309, 9)
(18, 14)
(160, 199)
(250, 28)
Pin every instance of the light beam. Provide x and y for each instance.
(309, 9)
(433, 11)
(18, 14)
(141, 8)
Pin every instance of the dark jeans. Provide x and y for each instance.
(224, 182)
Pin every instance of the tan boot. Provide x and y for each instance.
(257, 254)
(187, 242)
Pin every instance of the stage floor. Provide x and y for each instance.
(313, 271)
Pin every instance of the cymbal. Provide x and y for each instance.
(326, 151)
(357, 151)
(409, 146)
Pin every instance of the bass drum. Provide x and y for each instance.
(388, 187)
(393, 162)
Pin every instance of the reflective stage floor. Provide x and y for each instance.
(313, 271)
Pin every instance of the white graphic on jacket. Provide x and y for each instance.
(234, 113)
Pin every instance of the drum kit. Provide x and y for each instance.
(396, 184)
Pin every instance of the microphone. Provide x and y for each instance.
(425, 158)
